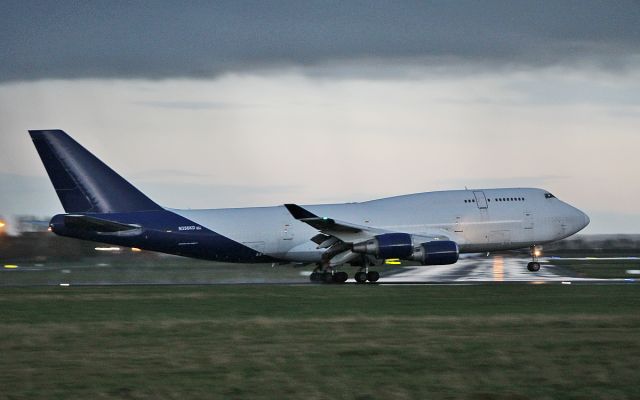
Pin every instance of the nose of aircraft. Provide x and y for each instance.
(579, 220)
(585, 219)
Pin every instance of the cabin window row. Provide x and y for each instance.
(499, 199)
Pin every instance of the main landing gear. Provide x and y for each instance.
(365, 275)
(330, 276)
(534, 265)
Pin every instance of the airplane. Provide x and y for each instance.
(431, 228)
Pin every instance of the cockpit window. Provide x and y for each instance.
(549, 196)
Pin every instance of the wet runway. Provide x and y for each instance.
(470, 270)
(494, 269)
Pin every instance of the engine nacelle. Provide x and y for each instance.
(387, 245)
(407, 247)
(437, 252)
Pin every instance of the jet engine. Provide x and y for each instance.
(437, 252)
(409, 247)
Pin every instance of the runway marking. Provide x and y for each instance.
(498, 269)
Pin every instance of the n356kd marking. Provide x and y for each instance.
(189, 228)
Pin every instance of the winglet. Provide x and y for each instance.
(324, 224)
(299, 212)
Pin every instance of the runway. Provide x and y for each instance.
(469, 270)
(495, 269)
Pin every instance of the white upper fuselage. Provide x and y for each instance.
(477, 220)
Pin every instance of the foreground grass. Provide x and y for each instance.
(321, 342)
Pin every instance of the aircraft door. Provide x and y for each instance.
(287, 232)
(527, 227)
(458, 226)
(481, 200)
(528, 220)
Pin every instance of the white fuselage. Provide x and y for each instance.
(477, 220)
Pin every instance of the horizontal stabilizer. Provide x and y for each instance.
(98, 225)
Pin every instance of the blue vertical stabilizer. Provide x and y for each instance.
(83, 183)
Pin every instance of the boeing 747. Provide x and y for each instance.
(431, 228)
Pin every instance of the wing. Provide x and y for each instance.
(338, 237)
(344, 231)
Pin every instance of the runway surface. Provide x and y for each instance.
(493, 269)
(470, 270)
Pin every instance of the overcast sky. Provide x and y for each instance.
(262, 103)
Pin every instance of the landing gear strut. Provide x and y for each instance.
(534, 265)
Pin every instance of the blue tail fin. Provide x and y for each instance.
(83, 183)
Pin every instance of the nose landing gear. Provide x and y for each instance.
(534, 265)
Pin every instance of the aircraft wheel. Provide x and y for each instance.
(315, 277)
(533, 266)
(327, 277)
(340, 277)
(361, 277)
(373, 276)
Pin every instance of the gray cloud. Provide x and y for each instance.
(164, 39)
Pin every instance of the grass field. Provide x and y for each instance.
(600, 268)
(321, 342)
